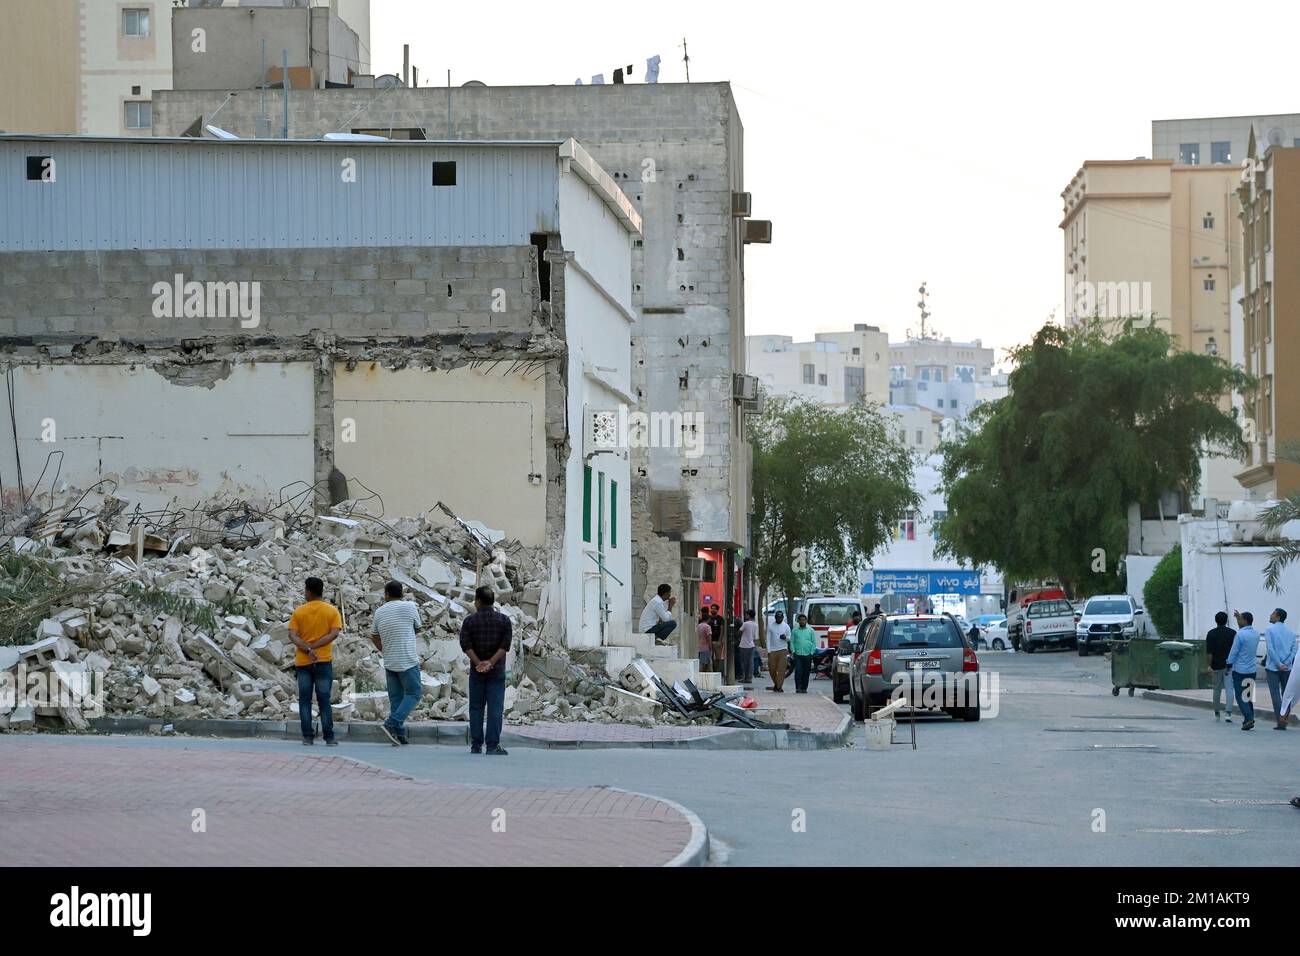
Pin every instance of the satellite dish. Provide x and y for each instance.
(474, 83)
(387, 81)
(219, 133)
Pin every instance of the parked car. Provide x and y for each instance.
(1019, 598)
(994, 635)
(1107, 618)
(1047, 624)
(918, 657)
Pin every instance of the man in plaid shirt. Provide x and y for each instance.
(485, 637)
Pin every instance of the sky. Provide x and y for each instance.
(900, 143)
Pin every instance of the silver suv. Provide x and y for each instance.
(922, 658)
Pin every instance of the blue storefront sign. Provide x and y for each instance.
(943, 581)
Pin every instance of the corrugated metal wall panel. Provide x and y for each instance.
(246, 196)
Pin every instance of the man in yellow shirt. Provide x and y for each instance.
(312, 629)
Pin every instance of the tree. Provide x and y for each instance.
(829, 486)
(1039, 483)
(1274, 517)
(1161, 594)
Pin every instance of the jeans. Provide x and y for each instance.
(1276, 684)
(776, 668)
(662, 629)
(1217, 679)
(802, 668)
(1245, 694)
(486, 690)
(318, 677)
(706, 661)
(758, 663)
(404, 692)
(744, 665)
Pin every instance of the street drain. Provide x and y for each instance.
(1127, 717)
(1102, 730)
(1245, 802)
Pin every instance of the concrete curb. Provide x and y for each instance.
(457, 733)
(1168, 698)
(696, 851)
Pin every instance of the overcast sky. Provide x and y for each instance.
(895, 143)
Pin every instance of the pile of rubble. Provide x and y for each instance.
(184, 614)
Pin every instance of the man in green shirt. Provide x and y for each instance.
(803, 642)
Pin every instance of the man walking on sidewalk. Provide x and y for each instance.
(803, 644)
(1218, 644)
(485, 637)
(312, 628)
(778, 645)
(393, 631)
(1280, 643)
(1241, 660)
(657, 616)
(745, 657)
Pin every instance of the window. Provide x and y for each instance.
(925, 375)
(855, 384)
(1189, 153)
(821, 379)
(928, 632)
(1220, 152)
(135, 22)
(939, 516)
(586, 503)
(138, 114)
(809, 374)
(920, 436)
(40, 168)
(444, 174)
(857, 351)
(906, 529)
(1208, 221)
(831, 613)
(613, 514)
(1208, 283)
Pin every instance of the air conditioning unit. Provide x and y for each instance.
(699, 569)
(758, 230)
(755, 406)
(742, 205)
(600, 429)
(744, 387)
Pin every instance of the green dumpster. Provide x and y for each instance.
(1177, 662)
(1133, 664)
(1204, 679)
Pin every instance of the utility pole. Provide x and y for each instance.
(686, 58)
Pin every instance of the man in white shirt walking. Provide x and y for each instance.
(393, 630)
(778, 645)
(657, 618)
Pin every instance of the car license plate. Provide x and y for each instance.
(923, 665)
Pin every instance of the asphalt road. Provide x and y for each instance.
(1064, 774)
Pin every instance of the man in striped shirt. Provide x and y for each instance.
(393, 631)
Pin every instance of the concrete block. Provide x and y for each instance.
(672, 670)
(150, 686)
(631, 705)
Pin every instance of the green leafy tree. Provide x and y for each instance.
(829, 485)
(1039, 483)
(1161, 594)
(1288, 509)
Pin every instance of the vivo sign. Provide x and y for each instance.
(923, 582)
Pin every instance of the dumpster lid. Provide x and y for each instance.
(1175, 645)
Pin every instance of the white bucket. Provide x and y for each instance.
(880, 733)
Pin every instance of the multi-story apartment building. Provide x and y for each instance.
(92, 66)
(1269, 198)
(836, 368)
(1220, 140)
(677, 149)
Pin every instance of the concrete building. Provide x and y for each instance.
(920, 429)
(1269, 210)
(866, 361)
(187, 318)
(678, 151)
(939, 374)
(240, 48)
(1220, 140)
(91, 66)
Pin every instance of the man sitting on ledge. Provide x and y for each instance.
(657, 618)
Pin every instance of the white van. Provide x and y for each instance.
(1048, 623)
(827, 612)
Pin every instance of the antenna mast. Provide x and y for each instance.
(686, 58)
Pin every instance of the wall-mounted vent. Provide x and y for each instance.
(444, 174)
(758, 230)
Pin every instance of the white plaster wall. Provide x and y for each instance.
(249, 435)
(1233, 575)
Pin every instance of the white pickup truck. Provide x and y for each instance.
(1048, 624)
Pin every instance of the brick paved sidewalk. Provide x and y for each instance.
(113, 802)
(813, 711)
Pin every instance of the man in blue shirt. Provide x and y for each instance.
(1241, 660)
(1280, 643)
